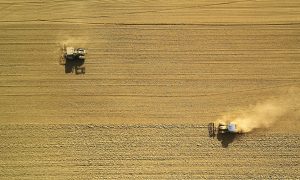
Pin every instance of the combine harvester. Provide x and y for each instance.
(73, 59)
(222, 128)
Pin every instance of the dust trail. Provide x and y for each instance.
(265, 114)
(74, 41)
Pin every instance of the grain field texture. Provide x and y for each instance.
(156, 73)
(142, 152)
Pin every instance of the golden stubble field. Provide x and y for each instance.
(156, 73)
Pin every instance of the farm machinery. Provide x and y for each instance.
(73, 59)
(222, 128)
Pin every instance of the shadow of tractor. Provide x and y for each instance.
(226, 138)
(75, 66)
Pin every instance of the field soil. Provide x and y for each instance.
(156, 73)
(143, 152)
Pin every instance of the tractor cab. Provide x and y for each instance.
(81, 51)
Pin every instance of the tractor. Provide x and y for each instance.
(222, 128)
(73, 59)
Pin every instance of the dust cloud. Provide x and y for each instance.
(71, 41)
(266, 113)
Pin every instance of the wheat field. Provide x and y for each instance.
(156, 73)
